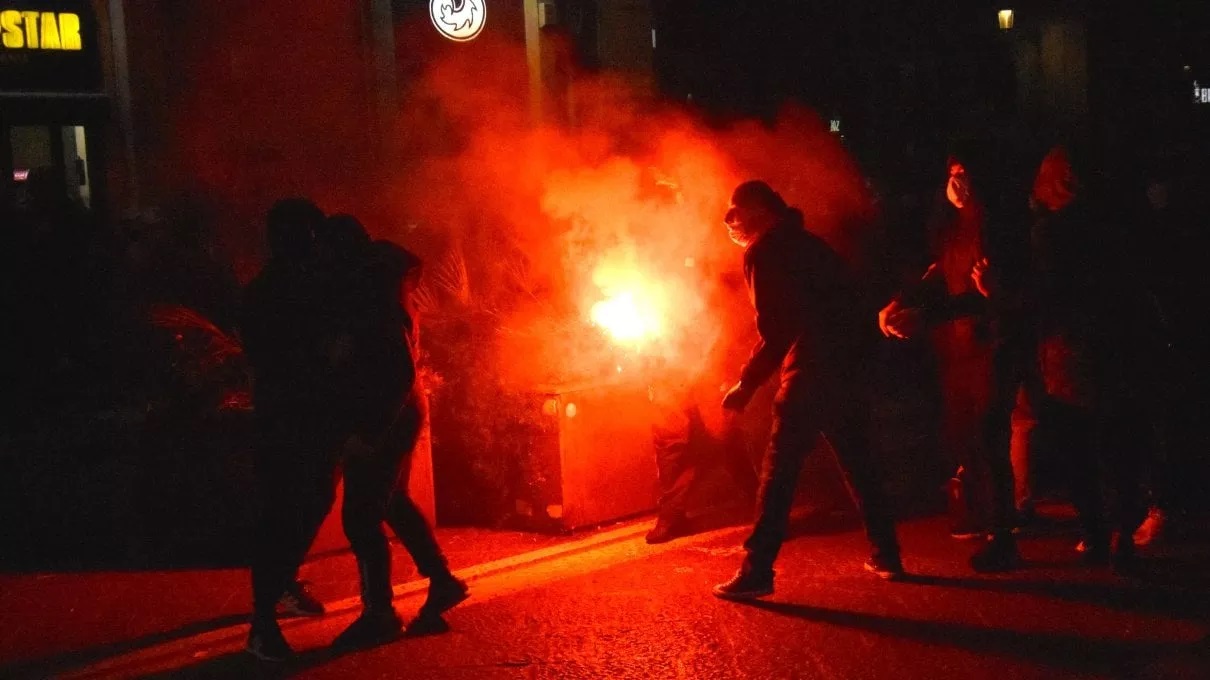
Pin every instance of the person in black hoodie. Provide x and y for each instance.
(295, 443)
(812, 330)
(979, 345)
(379, 404)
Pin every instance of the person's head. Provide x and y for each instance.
(291, 225)
(341, 238)
(755, 209)
(1056, 184)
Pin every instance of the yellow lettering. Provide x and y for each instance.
(50, 32)
(10, 25)
(31, 29)
(69, 31)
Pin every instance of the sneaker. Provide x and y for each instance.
(266, 642)
(666, 529)
(1152, 528)
(746, 585)
(298, 601)
(887, 569)
(444, 595)
(374, 627)
(999, 554)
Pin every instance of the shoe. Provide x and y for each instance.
(887, 569)
(666, 529)
(444, 594)
(966, 532)
(374, 627)
(1152, 528)
(999, 554)
(266, 642)
(298, 601)
(746, 585)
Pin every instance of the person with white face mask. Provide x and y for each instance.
(948, 304)
(811, 333)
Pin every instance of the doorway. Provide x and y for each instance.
(51, 160)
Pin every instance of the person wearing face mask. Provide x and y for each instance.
(812, 332)
(945, 300)
(966, 334)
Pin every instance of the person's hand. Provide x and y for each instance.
(979, 274)
(902, 323)
(884, 314)
(737, 398)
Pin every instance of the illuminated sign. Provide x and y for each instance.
(33, 30)
(459, 20)
(50, 46)
(20, 175)
(1201, 95)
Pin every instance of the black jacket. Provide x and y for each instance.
(808, 312)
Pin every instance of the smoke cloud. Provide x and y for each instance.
(525, 226)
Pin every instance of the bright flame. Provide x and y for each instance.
(634, 309)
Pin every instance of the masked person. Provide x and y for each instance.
(945, 300)
(808, 316)
(381, 407)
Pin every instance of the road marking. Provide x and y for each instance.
(490, 581)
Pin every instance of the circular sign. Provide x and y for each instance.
(459, 20)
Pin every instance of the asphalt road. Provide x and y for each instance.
(622, 609)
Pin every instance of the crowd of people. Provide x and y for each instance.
(1037, 325)
(1049, 337)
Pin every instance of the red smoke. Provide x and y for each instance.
(528, 226)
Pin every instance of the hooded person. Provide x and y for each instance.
(969, 336)
(815, 336)
(295, 445)
(377, 398)
(1087, 374)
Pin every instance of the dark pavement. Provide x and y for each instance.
(622, 609)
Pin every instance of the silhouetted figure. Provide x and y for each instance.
(379, 404)
(811, 331)
(296, 443)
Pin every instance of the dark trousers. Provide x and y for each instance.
(682, 444)
(800, 414)
(296, 474)
(1012, 368)
(376, 480)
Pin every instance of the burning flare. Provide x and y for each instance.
(634, 308)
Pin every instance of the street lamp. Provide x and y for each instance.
(1006, 19)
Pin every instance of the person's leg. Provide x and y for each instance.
(792, 437)
(994, 465)
(1024, 422)
(671, 440)
(847, 433)
(369, 482)
(275, 557)
(1073, 429)
(368, 486)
